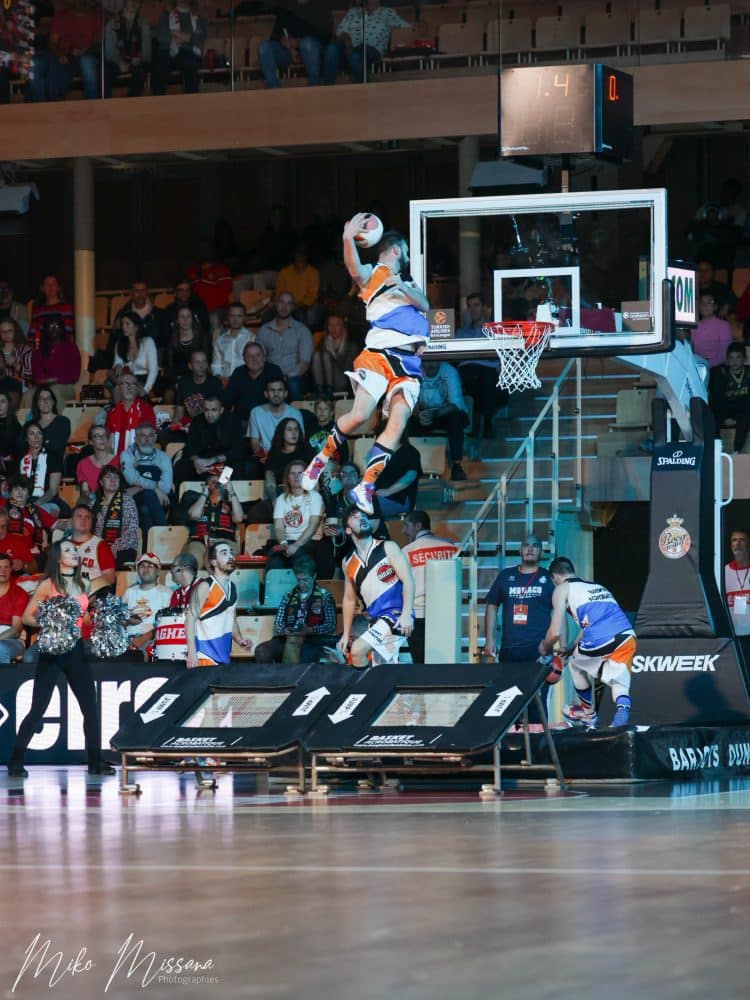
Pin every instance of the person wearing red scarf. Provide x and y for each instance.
(126, 415)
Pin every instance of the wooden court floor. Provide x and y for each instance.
(627, 891)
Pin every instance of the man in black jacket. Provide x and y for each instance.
(247, 383)
(215, 438)
(306, 34)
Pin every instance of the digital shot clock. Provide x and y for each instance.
(563, 110)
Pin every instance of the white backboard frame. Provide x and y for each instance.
(623, 343)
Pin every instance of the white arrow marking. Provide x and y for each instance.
(311, 699)
(504, 698)
(4, 714)
(158, 709)
(347, 710)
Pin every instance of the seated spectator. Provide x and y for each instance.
(127, 48)
(185, 338)
(317, 432)
(368, 41)
(185, 296)
(247, 385)
(266, 418)
(214, 440)
(729, 395)
(193, 389)
(116, 515)
(305, 621)
(24, 517)
(297, 517)
(181, 34)
(90, 466)
(51, 302)
(37, 86)
(13, 310)
(136, 352)
(213, 282)
(288, 344)
(712, 336)
(185, 575)
(55, 427)
(13, 601)
(305, 34)
(56, 363)
(44, 469)
(10, 437)
(144, 598)
(74, 43)
(16, 358)
(148, 473)
(97, 560)
(212, 517)
(302, 281)
(154, 323)
(441, 407)
(479, 375)
(230, 344)
(24, 554)
(397, 485)
(724, 297)
(123, 418)
(288, 443)
(334, 358)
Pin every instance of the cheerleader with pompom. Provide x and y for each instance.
(59, 609)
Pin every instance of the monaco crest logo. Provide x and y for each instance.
(674, 541)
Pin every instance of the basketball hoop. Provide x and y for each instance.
(519, 345)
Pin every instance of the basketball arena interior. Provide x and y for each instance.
(270, 727)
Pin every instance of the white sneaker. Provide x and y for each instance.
(311, 475)
(362, 495)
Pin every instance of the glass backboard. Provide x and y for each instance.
(591, 263)
(425, 708)
(235, 709)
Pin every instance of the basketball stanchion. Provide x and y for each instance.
(519, 345)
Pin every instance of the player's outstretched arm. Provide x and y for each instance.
(559, 601)
(358, 271)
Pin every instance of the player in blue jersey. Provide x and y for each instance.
(602, 650)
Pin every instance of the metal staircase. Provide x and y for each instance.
(542, 453)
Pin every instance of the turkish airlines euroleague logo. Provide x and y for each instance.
(386, 573)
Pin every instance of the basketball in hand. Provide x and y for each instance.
(370, 233)
(555, 670)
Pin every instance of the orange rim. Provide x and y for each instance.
(532, 331)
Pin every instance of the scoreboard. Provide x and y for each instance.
(559, 110)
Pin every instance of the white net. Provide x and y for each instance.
(518, 346)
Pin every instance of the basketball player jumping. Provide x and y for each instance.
(602, 650)
(390, 367)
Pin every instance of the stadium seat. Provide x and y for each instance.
(277, 582)
(659, 28)
(558, 34)
(303, 404)
(163, 299)
(740, 281)
(247, 582)
(335, 588)
(117, 303)
(196, 485)
(81, 418)
(69, 493)
(516, 36)
(359, 453)
(433, 452)
(707, 23)
(256, 536)
(101, 311)
(166, 541)
(460, 41)
(633, 409)
(174, 449)
(608, 31)
(258, 628)
(248, 490)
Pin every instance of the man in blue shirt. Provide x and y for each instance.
(441, 407)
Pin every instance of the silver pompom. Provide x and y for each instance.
(58, 625)
(109, 637)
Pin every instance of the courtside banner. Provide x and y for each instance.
(121, 687)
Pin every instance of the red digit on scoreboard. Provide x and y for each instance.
(613, 95)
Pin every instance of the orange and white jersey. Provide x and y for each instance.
(425, 547)
(213, 629)
(394, 320)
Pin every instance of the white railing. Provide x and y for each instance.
(497, 502)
